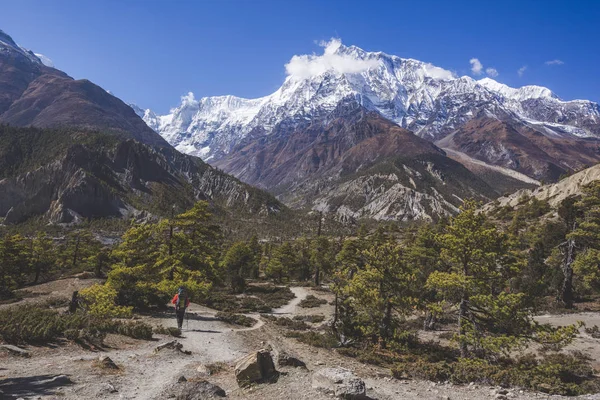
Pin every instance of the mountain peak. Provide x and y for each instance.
(8, 45)
(522, 93)
(419, 96)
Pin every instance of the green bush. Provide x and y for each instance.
(235, 319)
(324, 340)
(36, 325)
(171, 331)
(261, 299)
(312, 301)
(557, 374)
(315, 319)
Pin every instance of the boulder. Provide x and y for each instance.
(255, 367)
(106, 363)
(340, 382)
(199, 391)
(287, 360)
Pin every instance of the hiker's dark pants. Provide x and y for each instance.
(180, 313)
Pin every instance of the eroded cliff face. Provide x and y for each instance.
(356, 164)
(127, 179)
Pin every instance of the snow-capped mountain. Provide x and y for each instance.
(9, 46)
(430, 101)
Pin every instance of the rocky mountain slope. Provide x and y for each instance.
(514, 145)
(356, 164)
(425, 99)
(68, 175)
(69, 151)
(33, 94)
(554, 193)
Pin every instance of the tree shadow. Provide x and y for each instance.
(199, 330)
(37, 385)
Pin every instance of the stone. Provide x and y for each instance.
(107, 363)
(203, 370)
(200, 390)
(106, 388)
(181, 379)
(339, 382)
(15, 350)
(255, 367)
(287, 360)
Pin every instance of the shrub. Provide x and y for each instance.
(99, 301)
(294, 324)
(236, 319)
(315, 319)
(261, 299)
(324, 340)
(36, 325)
(420, 369)
(312, 301)
(171, 330)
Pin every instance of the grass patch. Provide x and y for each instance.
(312, 301)
(170, 331)
(236, 319)
(31, 324)
(315, 319)
(294, 324)
(261, 299)
(556, 374)
(324, 340)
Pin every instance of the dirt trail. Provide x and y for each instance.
(145, 374)
(290, 308)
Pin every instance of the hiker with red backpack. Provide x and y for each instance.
(181, 301)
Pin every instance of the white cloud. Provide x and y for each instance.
(522, 70)
(491, 72)
(476, 66)
(306, 66)
(188, 100)
(554, 62)
(438, 73)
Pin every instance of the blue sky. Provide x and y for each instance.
(152, 52)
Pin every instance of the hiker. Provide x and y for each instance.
(181, 301)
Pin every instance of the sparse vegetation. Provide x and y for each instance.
(171, 331)
(315, 319)
(33, 324)
(236, 319)
(312, 302)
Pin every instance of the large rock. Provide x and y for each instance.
(340, 382)
(200, 390)
(254, 368)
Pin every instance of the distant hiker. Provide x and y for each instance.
(181, 301)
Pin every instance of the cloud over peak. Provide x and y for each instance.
(491, 72)
(477, 68)
(306, 66)
(521, 70)
(554, 62)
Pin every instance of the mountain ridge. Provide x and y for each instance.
(428, 100)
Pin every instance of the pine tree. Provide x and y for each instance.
(43, 256)
(480, 269)
(384, 289)
(238, 262)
